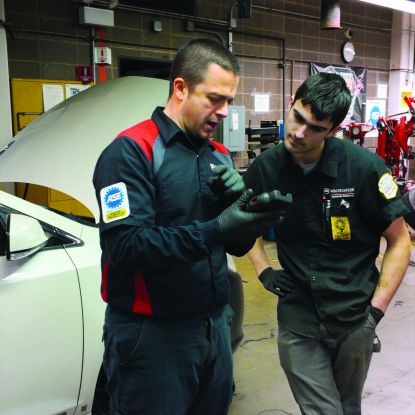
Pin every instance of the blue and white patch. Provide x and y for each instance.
(114, 202)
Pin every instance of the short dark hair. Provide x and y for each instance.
(193, 59)
(328, 96)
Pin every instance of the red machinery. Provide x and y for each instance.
(356, 132)
(393, 140)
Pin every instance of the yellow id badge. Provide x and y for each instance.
(340, 228)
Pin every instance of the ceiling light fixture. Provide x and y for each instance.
(407, 6)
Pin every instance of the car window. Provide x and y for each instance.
(56, 201)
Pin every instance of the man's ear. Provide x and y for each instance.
(179, 88)
(291, 103)
(334, 131)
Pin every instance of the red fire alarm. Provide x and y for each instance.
(83, 73)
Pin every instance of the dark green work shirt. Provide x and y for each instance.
(330, 237)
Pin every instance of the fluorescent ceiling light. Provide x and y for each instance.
(407, 6)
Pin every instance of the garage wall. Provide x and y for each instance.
(49, 42)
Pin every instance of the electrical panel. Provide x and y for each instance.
(232, 129)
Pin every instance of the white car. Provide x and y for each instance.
(51, 312)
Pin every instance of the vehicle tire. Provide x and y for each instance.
(100, 404)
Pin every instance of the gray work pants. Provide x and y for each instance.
(327, 375)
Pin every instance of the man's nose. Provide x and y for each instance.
(222, 109)
(300, 130)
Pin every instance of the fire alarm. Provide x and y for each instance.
(103, 55)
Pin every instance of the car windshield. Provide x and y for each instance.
(55, 201)
(84, 220)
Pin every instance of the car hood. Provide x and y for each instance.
(59, 150)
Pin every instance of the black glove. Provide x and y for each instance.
(226, 183)
(376, 313)
(276, 281)
(235, 224)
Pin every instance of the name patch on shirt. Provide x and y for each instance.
(342, 192)
(387, 186)
(340, 228)
(114, 202)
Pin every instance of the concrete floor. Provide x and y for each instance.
(261, 386)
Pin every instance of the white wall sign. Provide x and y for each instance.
(52, 95)
(235, 121)
(261, 102)
(73, 89)
(382, 91)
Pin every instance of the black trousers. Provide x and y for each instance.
(168, 367)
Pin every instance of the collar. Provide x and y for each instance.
(169, 130)
(167, 127)
(330, 157)
(328, 161)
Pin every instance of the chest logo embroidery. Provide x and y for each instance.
(342, 192)
(387, 186)
(340, 228)
(114, 202)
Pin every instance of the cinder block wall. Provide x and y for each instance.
(48, 42)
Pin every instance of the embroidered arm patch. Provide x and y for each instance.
(114, 202)
(387, 186)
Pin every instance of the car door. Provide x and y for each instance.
(41, 333)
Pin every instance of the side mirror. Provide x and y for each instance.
(25, 236)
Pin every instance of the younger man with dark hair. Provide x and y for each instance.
(331, 295)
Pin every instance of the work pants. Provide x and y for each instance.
(168, 367)
(327, 375)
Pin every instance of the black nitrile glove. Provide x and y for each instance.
(236, 224)
(376, 313)
(226, 183)
(276, 281)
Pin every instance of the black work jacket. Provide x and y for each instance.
(330, 237)
(161, 253)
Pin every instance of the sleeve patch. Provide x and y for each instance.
(387, 186)
(114, 202)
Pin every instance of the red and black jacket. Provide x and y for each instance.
(165, 258)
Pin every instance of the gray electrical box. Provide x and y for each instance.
(232, 129)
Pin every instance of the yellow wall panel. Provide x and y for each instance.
(27, 105)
